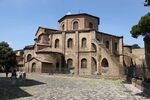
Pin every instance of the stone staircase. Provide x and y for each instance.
(109, 55)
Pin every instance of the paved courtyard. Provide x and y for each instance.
(54, 87)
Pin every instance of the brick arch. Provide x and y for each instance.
(28, 57)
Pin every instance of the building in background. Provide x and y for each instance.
(79, 45)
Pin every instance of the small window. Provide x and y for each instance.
(57, 43)
(90, 25)
(29, 56)
(83, 44)
(107, 44)
(116, 46)
(75, 25)
(84, 63)
(70, 43)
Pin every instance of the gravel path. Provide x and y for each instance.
(74, 88)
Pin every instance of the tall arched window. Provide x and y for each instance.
(75, 25)
(116, 46)
(70, 63)
(33, 69)
(83, 44)
(29, 56)
(70, 43)
(57, 43)
(83, 63)
(90, 25)
(107, 44)
(104, 63)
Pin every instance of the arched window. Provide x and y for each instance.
(94, 47)
(29, 56)
(70, 43)
(116, 46)
(57, 43)
(70, 63)
(83, 44)
(83, 63)
(44, 39)
(33, 69)
(104, 63)
(90, 25)
(63, 27)
(107, 44)
(75, 25)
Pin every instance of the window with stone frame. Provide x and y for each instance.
(107, 44)
(29, 57)
(70, 63)
(83, 43)
(75, 25)
(70, 43)
(57, 43)
(116, 46)
(90, 25)
(83, 63)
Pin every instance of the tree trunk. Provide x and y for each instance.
(147, 50)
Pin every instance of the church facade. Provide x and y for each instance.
(77, 45)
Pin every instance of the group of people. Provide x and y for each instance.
(16, 74)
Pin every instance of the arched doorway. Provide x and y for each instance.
(104, 63)
(94, 65)
(33, 69)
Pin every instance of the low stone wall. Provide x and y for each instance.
(143, 86)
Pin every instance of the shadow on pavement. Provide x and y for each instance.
(142, 94)
(10, 91)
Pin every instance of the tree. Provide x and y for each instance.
(7, 56)
(135, 46)
(147, 3)
(142, 28)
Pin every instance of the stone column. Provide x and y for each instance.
(121, 50)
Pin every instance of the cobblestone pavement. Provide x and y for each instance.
(74, 88)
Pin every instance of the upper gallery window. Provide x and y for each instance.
(57, 43)
(70, 43)
(29, 56)
(107, 44)
(75, 25)
(90, 25)
(116, 46)
(83, 45)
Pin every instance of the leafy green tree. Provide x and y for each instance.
(7, 56)
(142, 28)
(135, 46)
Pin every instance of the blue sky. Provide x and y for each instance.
(19, 19)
